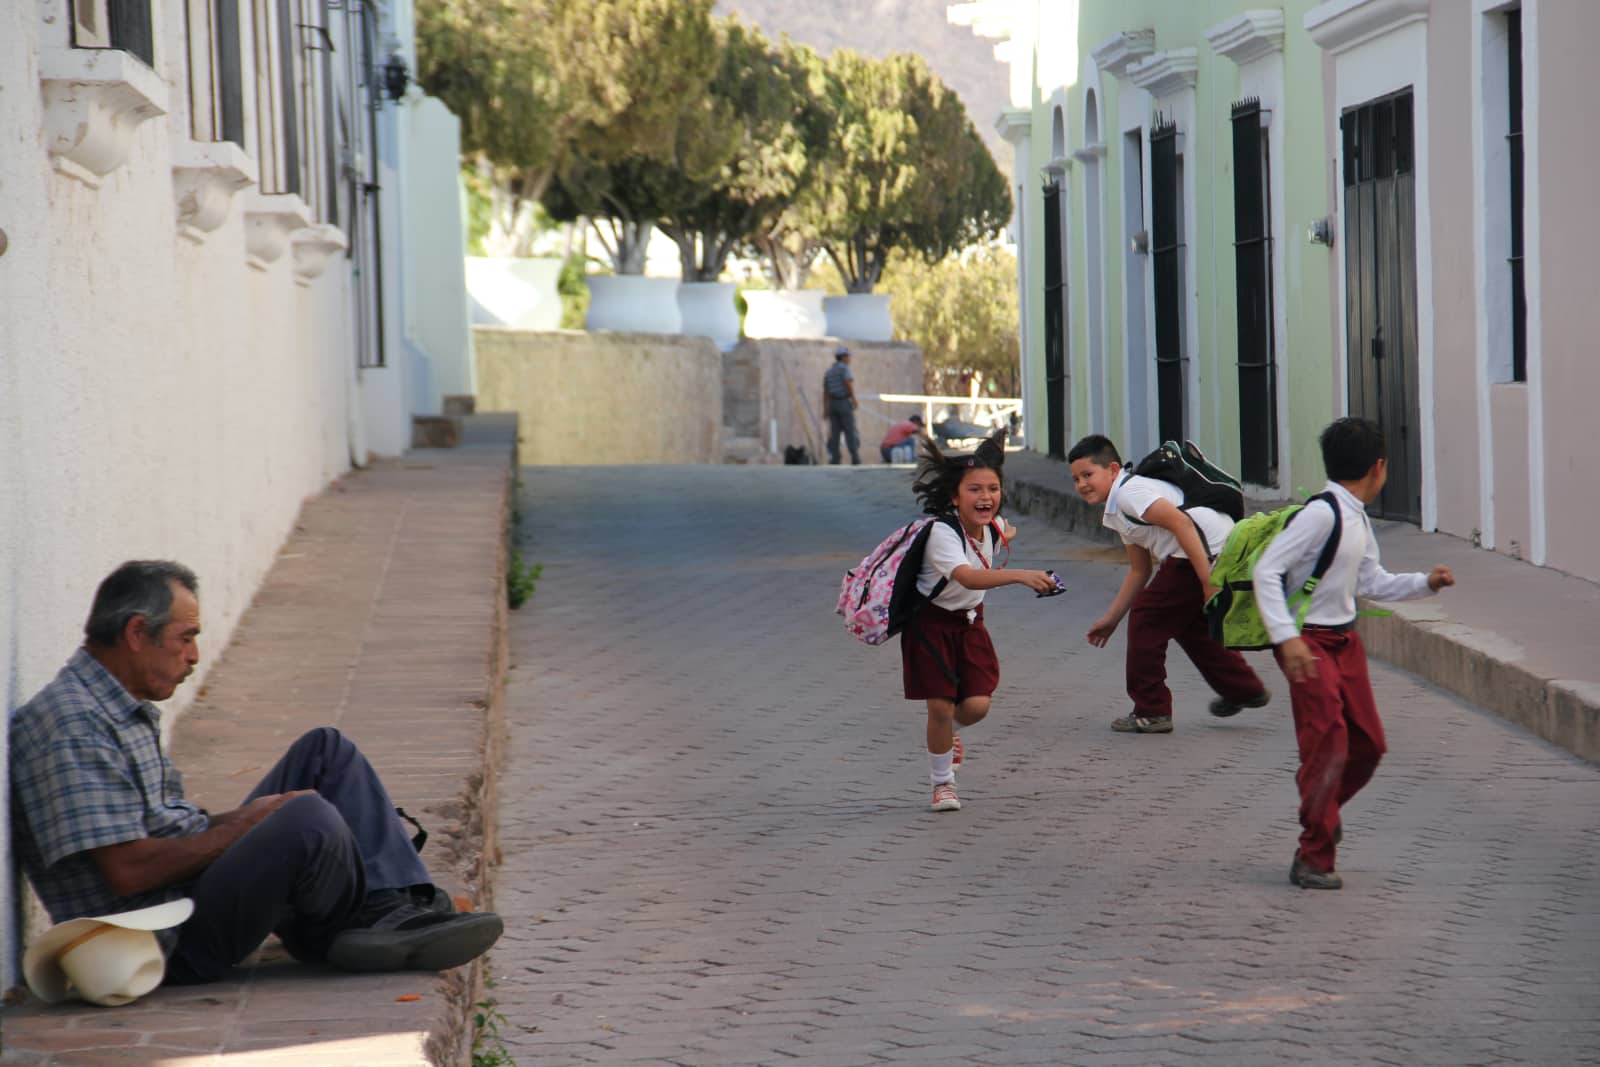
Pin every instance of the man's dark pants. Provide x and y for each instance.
(304, 870)
(842, 420)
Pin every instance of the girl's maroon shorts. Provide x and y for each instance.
(963, 647)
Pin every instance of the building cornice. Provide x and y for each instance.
(1116, 55)
(1248, 37)
(1166, 73)
(1339, 25)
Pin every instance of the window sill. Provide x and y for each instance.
(269, 219)
(94, 100)
(313, 247)
(205, 177)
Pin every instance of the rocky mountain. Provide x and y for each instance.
(963, 60)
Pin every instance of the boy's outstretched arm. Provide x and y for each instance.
(1138, 576)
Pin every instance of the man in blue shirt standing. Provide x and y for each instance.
(839, 401)
(317, 853)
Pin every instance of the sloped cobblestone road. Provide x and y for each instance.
(717, 848)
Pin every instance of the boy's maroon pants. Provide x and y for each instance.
(1340, 736)
(1172, 608)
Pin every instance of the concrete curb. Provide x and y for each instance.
(450, 1040)
(1443, 650)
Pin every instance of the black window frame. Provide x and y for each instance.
(1167, 250)
(1254, 296)
(129, 28)
(1516, 194)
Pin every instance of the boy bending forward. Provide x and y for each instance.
(1148, 514)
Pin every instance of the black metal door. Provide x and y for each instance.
(1166, 252)
(1381, 290)
(1055, 323)
(1252, 248)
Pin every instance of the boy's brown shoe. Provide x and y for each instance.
(1305, 876)
(1135, 724)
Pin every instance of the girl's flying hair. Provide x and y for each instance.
(939, 476)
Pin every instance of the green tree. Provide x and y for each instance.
(743, 158)
(909, 174)
(785, 239)
(962, 311)
(540, 84)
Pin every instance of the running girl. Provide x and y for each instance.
(946, 655)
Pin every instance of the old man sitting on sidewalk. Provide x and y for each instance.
(317, 854)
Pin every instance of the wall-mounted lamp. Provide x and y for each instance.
(396, 76)
(1139, 243)
(1320, 232)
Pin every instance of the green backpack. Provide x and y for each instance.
(1231, 612)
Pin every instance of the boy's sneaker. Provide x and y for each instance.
(1222, 707)
(1305, 876)
(955, 760)
(944, 797)
(398, 930)
(1135, 724)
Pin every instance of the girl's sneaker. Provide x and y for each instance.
(955, 761)
(944, 797)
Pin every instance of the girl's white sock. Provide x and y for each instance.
(939, 771)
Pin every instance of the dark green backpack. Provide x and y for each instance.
(1231, 613)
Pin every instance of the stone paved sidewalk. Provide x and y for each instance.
(383, 616)
(718, 848)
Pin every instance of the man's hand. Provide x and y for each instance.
(258, 809)
(1440, 577)
(1298, 661)
(1102, 630)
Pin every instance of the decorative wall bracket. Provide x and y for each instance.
(1248, 36)
(1167, 73)
(205, 176)
(94, 100)
(269, 219)
(313, 247)
(1090, 152)
(1014, 124)
(1119, 53)
(1339, 25)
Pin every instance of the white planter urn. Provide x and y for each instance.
(708, 310)
(859, 317)
(515, 291)
(784, 313)
(633, 303)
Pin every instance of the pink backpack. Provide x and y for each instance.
(879, 596)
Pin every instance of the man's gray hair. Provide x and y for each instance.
(138, 587)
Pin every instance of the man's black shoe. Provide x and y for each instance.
(398, 931)
(1222, 707)
(1305, 876)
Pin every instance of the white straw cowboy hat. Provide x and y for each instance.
(106, 959)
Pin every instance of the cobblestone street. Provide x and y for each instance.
(718, 850)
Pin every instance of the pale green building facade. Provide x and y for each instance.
(1137, 237)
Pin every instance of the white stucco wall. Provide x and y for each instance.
(158, 398)
(435, 270)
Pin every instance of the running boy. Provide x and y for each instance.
(1147, 514)
(946, 656)
(1335, 718)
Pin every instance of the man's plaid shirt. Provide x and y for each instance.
(87, 770)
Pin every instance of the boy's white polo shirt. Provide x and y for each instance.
(1133, 495)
